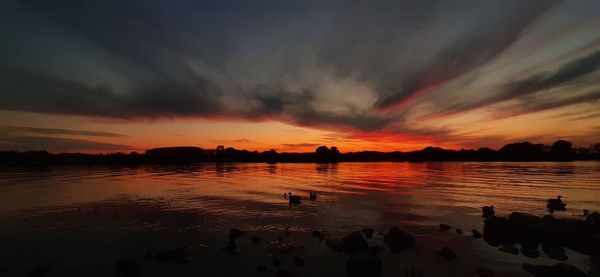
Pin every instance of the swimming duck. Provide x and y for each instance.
(556, 204)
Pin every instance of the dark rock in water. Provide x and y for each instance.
(313, 196)
(446, 253)
(585, 213)
(318, 234)
(399, 240)
(531, 253)
(523, 220)
(487, 211)
(556, 270)
(334, 244)
(459, 231)
(235, 234)
(363, 265)
(368, 232)
(554, 251)
(445, 227)
(476, 234)
(276, 261)
(556, 204)
(283, 273)
(511, 249)
(295, 199)
(255, 239)
(299, 262)
(172, 255)
(376, 249)
(593, 218)
(262, 268)
(354, 243)
(230, 247)
(128, 266)
(497, 231)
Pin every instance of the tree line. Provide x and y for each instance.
(560, 150)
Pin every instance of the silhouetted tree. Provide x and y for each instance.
(562, 150)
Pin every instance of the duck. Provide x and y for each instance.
(295, 199)
(556, 204)
(313, 196)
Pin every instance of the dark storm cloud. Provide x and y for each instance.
(303, 62)
(54, 131)
(29, 143)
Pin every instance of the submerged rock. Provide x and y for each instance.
(445, 227)
(255, 239)
(363, 265)
(459, 231)
(554, 251)
(446, 253)
(487, 211)
(368, 232)
(476, 234)
(556, 270)
(531, 253)
(399, 240)
(511, 249)
(235, 234)
(354, 243)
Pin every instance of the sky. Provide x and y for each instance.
(106, 76)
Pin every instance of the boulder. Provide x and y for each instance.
(354, 243)
(487, 211)
(554, 251)
(476, 234)
(445, 227)
(446, 253)
(368, 232)
(399, 240)
(497, 231)
(459, 231)
(511, 249)
(531, 253)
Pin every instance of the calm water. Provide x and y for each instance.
(53, 214)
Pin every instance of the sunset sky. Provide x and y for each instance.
(105, 76)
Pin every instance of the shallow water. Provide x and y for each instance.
(81, 219)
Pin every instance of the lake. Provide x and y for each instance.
(71, 220)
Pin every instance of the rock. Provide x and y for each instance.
(230, 247)
(363, 265)
(276, 261)
(172, 255)
(511, 249)
(299, 262)
(556, 270)
(282, 248)
(459, 231)
(318, 234)
(445, 227)
(255, 239)
(42, 270)
(235, 234)
(593, 218)
(476, 234)
(487, 211)
(368, 232)
(334, 244)
(523, 220)
(585, 213)
(262, 268)
(531, 253)
(354, 243)
(375, 249)
(128, 266)
(554, 251)
(446, 253)
(497, 231)
(399, 240)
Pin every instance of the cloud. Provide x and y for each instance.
(55, 131)
(27, 143)
(345, 65)
(299, 145)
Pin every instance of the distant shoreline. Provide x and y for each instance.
(522, 152)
